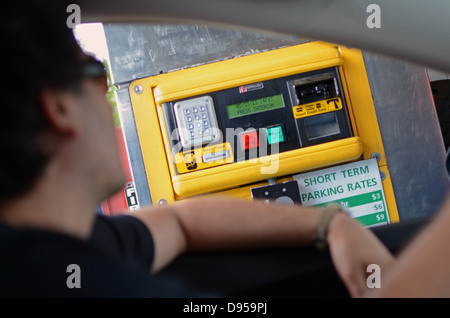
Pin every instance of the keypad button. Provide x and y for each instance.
(193, 118)
(274, 135)
(249, 139)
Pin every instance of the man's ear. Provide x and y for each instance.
(61, 111)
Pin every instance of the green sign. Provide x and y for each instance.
(356, 186)
(255, 106)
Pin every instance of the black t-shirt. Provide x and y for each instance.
(114, 262)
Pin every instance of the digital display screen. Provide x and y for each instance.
(255, 106)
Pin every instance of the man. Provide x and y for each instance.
(60, 159)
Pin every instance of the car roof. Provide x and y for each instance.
(413, 30)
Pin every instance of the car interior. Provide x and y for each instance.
(382, 90)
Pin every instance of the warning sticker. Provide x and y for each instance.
(316, 108)
(356, 186)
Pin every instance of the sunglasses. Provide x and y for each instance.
(95, 69)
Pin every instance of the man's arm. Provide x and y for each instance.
(218, 223)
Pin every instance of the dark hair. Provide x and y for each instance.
(39, 51)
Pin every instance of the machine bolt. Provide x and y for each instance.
(376, 155)
(138, 89)
(162, 202)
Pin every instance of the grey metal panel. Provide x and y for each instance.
(142, 50)
(411, 135)
(133, 147)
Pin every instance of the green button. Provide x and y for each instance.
(274, 135)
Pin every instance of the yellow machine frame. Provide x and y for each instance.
(236, 179)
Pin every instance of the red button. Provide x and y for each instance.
(250, 140)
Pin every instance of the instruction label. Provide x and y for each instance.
(356, 186)
(316, 108)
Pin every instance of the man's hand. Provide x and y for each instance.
(352, 249)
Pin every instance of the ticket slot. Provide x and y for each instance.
(320, 108)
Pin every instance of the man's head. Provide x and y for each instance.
(53, 104)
